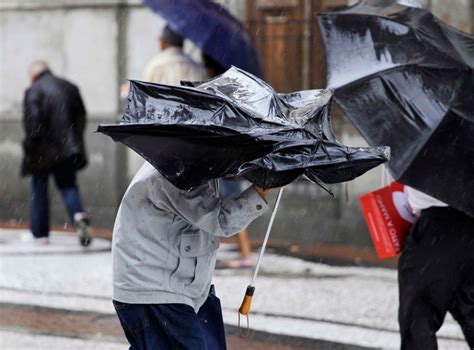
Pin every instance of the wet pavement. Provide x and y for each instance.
(59, 296)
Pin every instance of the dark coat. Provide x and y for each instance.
(54, 118)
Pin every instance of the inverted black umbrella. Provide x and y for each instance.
(405, 79)
(235, 125)
(213, 29)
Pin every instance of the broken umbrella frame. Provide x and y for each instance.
(235, 126)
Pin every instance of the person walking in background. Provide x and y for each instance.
(54, 119)
(171, 64)
(436, 273)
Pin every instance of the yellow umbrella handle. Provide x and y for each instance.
(245, 310)
(246, 303)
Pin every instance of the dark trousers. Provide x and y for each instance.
(436, 275)
(65, 178)
(160, 326)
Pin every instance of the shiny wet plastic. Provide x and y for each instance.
(405, 79)
(235, 125)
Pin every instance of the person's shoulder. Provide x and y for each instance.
(163, 57)
(156, 63)
(30, 90)
(147, 173)
(171, 56)
(33, 91)
(57, 86)
(191, 61)
(66, 83)
(191, 67)
(156, 58)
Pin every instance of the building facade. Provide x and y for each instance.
(99, 44)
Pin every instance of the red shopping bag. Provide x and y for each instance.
(389, 217)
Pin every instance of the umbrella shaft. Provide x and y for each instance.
(267, 234)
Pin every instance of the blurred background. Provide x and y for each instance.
(99, 44)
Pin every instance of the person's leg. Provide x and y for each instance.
(140, 332)
(160, 326)
(244, 244)
(65, 178)
(427, 275)
(181, 324)
(245, 261)
(39, 206)
(463, 306)
(232, 189)
(463, 309)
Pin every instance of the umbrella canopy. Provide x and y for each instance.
(405, 79)
(235, 125)
(213, 29)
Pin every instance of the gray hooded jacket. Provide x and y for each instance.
(165, 239)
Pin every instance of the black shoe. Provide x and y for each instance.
(84, 231)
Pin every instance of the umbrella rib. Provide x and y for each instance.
(178, 87)
(385, 71)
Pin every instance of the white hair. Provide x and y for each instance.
(37, 67)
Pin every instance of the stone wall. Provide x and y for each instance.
(95, 44)
(100, 44)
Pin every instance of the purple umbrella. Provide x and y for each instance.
(213, 29)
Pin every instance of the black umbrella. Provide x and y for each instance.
(235, 125)
(405, 79)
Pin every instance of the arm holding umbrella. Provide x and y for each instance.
(202, 209)
(164, 248)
